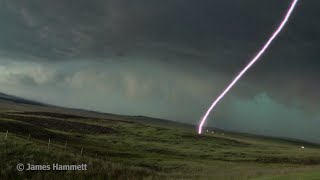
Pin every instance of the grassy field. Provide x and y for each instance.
(125, 149)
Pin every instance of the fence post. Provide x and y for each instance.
(49, 144)
(5, 139)
(29, 138)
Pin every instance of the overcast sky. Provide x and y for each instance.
(168, 59)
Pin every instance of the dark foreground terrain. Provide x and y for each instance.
(123, 147)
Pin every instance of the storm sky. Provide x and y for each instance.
(167, 59)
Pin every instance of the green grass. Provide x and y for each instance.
(138, 150)
(13, 153)
(310, 175)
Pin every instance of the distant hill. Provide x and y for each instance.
(11, 102)
(14, 103)
(18, 100)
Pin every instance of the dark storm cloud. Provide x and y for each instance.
(163, 58)
(221, 34)
(62, 28)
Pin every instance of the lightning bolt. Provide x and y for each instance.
(253, 61)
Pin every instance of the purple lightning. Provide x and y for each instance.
(255, 59)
